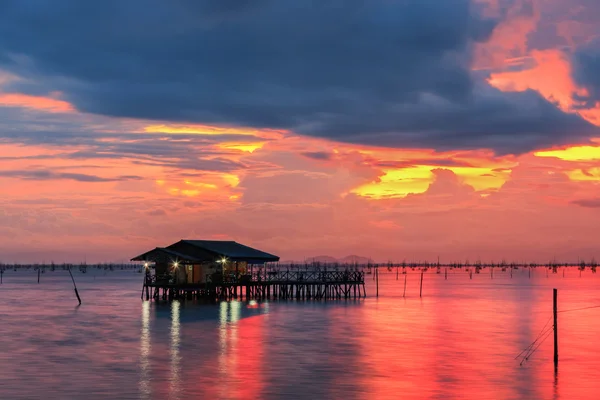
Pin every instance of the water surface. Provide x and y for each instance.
(458, 341)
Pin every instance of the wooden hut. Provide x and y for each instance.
(193, 262)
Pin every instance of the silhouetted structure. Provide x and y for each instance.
(222, 269)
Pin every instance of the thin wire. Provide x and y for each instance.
(543, 331)
(578, 309)
(528, 350)
(537, 347)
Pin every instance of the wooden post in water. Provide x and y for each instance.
(377, 280)
(404, 293)
(555, 314)
(39, 275)
(446, 273)
(1, 273)
(421, 287)
(75, 286)
(396, 272)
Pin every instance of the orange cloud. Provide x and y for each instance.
(401, 182)
(40, 103)
(575, 153)
(509, 39)
(551, 76)
(588, 174)
(213, 186)
(197, 129)
(244, 147)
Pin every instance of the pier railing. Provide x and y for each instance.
(301, 277)
(272, 277)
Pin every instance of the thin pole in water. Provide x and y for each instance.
(421, 287)
(39, 275)
(555, 314)
(404, 293)
(446, 273)
(74, 285)
(377, 280)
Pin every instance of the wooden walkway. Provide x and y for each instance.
(300, 285)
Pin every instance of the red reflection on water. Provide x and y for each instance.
(458, 341)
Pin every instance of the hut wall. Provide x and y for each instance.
(180, 274)
(161, 269)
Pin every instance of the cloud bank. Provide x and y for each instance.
(385, 73)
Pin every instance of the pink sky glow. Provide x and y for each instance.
(109, 188)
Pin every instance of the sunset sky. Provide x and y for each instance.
(388, 129)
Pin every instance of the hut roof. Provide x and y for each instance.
(232, 250)
(207, 250)
(163, 254)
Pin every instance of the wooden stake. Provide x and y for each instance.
(446, 273)
(39, 275)
(75, 286)
(555, 313)
(421, 287)
(377, 280)
(404, 293)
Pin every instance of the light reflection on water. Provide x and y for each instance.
(457, 342)
(174, 382)
(145, 349)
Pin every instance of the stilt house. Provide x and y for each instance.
(195, 262)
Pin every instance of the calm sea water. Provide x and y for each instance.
(458, 341)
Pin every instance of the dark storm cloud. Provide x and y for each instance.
(586, 72)
(382, 72)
